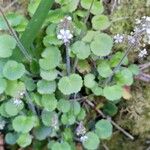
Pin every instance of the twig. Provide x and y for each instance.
(105, 147)
(10, 5)
(119, 64)
(21, 47)
(113, 123)
(144, 66)
(30, 104)
(67, 59)
(82, 33)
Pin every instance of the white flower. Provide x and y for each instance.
(80, 130)
(84, 138)
(2, 124)
(118, 38)
(137, 21)
(148, 30)
(143, 53)
(64, 35)
(17, 102)
(69, 18)
(147, 18)
(131, 39)
(55, 121)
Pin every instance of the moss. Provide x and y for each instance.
(124, 16)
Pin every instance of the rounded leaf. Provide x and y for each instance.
(104, 69)
(24, 140)
(23, 124)
(70, 84)
(11, 138)
(49, 102)
(7, 44)
(81, 49)
(113, 93)
(13, 70)
(46, 87)
(103, 129)
(89, 80)
(51, 58)
(3, 85)
(63, 105)
(102, 45)
(49, 75)
(100, 22)
(92, 141)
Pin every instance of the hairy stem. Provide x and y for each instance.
(68, 59)
(19, 44)
(119, 64)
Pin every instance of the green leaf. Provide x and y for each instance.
(29, 83)
(60, 146)
(33, 28)
(110, 109)
(102, 45)
(33, 5)
(14, 20)
(55, 16)
(49, 102)
(11, 109)
(49, 75)
(24, 140)
(134, 69)
(13, 70)
(116, 58)
(113, 93)
(71, 5)
(51, 58)
(14, 88)
(103, 129)
(124, 77)
(47, 117)
(23, 124)
(104, 69)
(81, 49)
(100, 22)
(3, 85)
(75, 108)
(83, 66)
(51, 40)
(97, 90)
(7, 44)
(92, 141)
(70, 84)
(11, 138)
(89, 80)
(81, 115)
(97, 7)
(42, 132)
(89, 36)
(68, 119)
(46, 87)
(63, 105)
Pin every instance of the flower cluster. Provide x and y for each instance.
(2, 124)
(118, 38)
(142, 53)
(17, 101)
(55, 122)
(65, 30)
(64, 35)
(80, 130)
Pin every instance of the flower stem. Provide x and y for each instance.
(68, 59)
